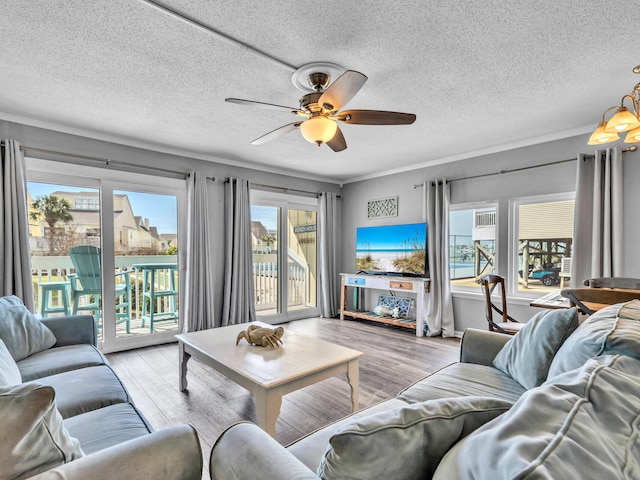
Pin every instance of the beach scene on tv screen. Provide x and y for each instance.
(392, 248)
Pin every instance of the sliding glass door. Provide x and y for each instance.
(110, 248)
(284, 256)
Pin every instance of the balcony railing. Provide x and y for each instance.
(265, 279)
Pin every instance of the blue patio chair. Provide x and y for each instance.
(87, 282)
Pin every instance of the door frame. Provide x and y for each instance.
(106, 181)
(286, 202)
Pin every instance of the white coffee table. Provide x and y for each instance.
(269, 373)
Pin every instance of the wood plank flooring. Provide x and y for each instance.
(393, 359)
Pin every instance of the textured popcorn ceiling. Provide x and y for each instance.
(480, 75)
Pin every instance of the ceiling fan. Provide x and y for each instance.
(320, 108)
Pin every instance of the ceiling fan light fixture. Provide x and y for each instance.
(600, 136)
(633, 136)
(318, 129)
(622, 121)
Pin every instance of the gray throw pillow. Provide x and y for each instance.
(21, 331)
(581, 424)
(32, 438)
(9, 371)
(612, 330)
(416, 437)
(528, 355)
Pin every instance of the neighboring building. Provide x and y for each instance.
(131, 232)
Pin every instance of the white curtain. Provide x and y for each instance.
(439, 305)
(597, 226)
(198, 298)
(239, 297)
(328, 255)
(15, 259)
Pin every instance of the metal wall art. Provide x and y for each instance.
(382, 207)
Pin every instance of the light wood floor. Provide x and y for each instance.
(393, 359)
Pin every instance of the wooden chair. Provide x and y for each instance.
(613, 282)
(590, 300)
(507, 324)
(87, 282)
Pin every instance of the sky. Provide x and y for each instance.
(161, 210)
(389, 236)
(268, 216)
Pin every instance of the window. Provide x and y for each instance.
(284, 240)
(86, 203)
(544, 227)
(472, 243)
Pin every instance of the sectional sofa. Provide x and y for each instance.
(65, 414)
(557, 400)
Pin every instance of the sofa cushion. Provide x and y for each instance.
(108, 426)
(86, 389)
(612, 330)
(419, 434)
(528, 355)
(310, 448)
(581, 423)
(33, 437)
(58, 360)
(464, 380)
(21, 331)
(9, 371)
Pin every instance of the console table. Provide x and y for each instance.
(414, 285)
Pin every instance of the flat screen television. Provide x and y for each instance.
(393, 250)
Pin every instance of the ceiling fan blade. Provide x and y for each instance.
(337, 143)
(342, 90)
(277, 133)
(375, 117)
(268, 106)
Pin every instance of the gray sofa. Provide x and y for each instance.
(65, 414)
(557, 400)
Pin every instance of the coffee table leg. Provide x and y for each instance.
(268, 403)
(353, 377)
(183, 358)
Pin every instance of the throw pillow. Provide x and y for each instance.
(9, 371)
(21, 331)
(528, 355)
(419, 435)
(581, 424)
(33, 438)
(612, 330)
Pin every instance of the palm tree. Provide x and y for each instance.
(53, 210)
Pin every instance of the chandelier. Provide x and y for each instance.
(622, 121)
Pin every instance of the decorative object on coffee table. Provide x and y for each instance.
(261, 336)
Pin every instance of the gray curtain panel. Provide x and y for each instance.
(598, 250)
(328, 255)
(15, 259)
(239, 296)
(439, 303)
(198, 298)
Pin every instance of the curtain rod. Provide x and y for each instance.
(632, 148)
(285, 189)
(106, 161)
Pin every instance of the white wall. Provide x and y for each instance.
(51, 140)
(468, 307)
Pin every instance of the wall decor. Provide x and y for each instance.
(382, 207)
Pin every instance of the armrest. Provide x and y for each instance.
(245, 451)
(166, 454)
(481, 346)
(73, 330)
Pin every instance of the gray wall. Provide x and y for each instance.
(468, 307)
(51, 140)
